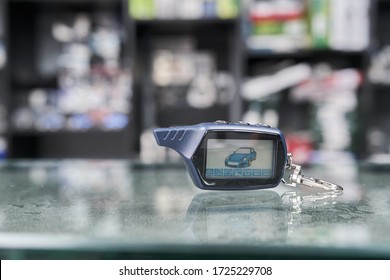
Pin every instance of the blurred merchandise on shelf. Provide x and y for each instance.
(319, 14)
(183, 9)
(188, 77)
(301, 145)
(113, 70)
(191, 79)
(288, 25)
(3, 147)
(379, 71)
(3, 54)
(226, 87)
(172, 62)
(263, 91)
(334, 96)
(379, 139)
(349, 24)
(94, 82)
(261, 87)
(202, 92)
(277, 25)
(3, 132)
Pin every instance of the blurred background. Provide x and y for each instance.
(92, 78)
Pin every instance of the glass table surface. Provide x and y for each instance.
(114, 209)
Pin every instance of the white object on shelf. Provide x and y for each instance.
(263, 86)
(349, 24)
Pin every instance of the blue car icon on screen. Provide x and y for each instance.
(241, 158)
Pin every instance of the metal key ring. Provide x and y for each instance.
(296, 178)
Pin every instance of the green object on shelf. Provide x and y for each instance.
(268, 27)
(319, 23)
(141, 9)
(227, 9)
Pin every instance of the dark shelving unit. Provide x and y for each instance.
(218, 36)
(377, 116)
(224, 38)
(298, 117)
(4, 85)
(32, 56)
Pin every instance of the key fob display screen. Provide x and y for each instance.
(228, 158)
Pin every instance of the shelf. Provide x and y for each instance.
(380, 87)
(263, 54)
(175, 22)
(65, 1)
(70, 144)
(47, 83)
(32, 132)
(184, 25)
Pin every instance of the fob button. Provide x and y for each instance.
(263, 124)
(242, 122)
(221, 122)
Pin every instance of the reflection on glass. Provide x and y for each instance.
(259, 217)
(256, 217)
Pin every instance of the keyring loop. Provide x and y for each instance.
(296, 178)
